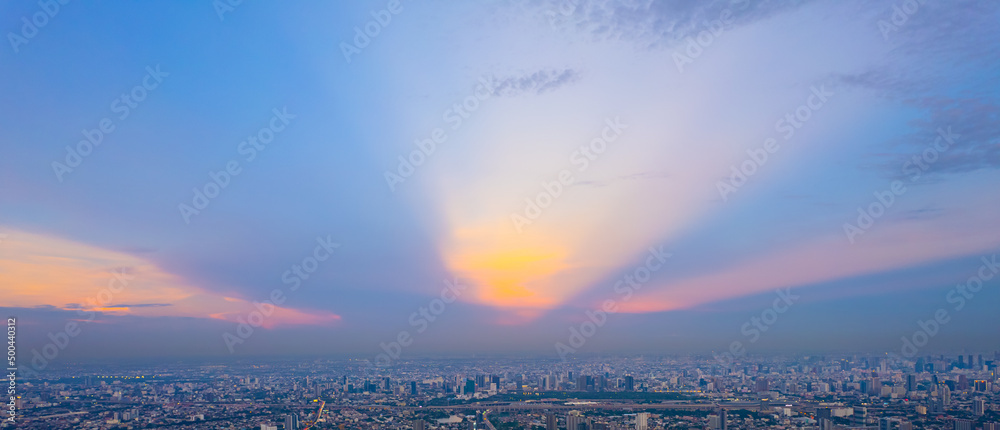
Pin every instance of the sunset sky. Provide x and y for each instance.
(536, 152)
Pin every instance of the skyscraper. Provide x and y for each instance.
(581, 383)
(629, 383)
(550, 382)
(911, 382)
(291, 422)
(642, 421)
(419, 425)
(575, 421)
(978, 406)
(960, 424)
(761, 385)
(550, 421)
(714, 422)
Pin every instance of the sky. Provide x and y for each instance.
(419, 177)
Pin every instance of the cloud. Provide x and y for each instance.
(619, 178)
(140, 305)
(45, 272)
(536, 83)
(940, 73)
(654, 24)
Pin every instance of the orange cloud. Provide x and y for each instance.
(39, 270)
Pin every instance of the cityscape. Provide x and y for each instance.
(690, 392)
(500, 214)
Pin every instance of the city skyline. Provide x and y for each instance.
(397, 179)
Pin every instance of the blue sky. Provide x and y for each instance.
(663, 101)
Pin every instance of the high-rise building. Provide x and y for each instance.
(935, 406)
(822, 413)
(963, 383)
(550, 421)
(714, 422)
(419, 425)
(576, 421)
(413, 388)
(642, 421)
(550, 382)
(629, 383)
(291, 422)
(723, 419)
(761, 385)
(960, 424)
(991, 426)
(911, 382)
(978, 406)
(945, 395)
